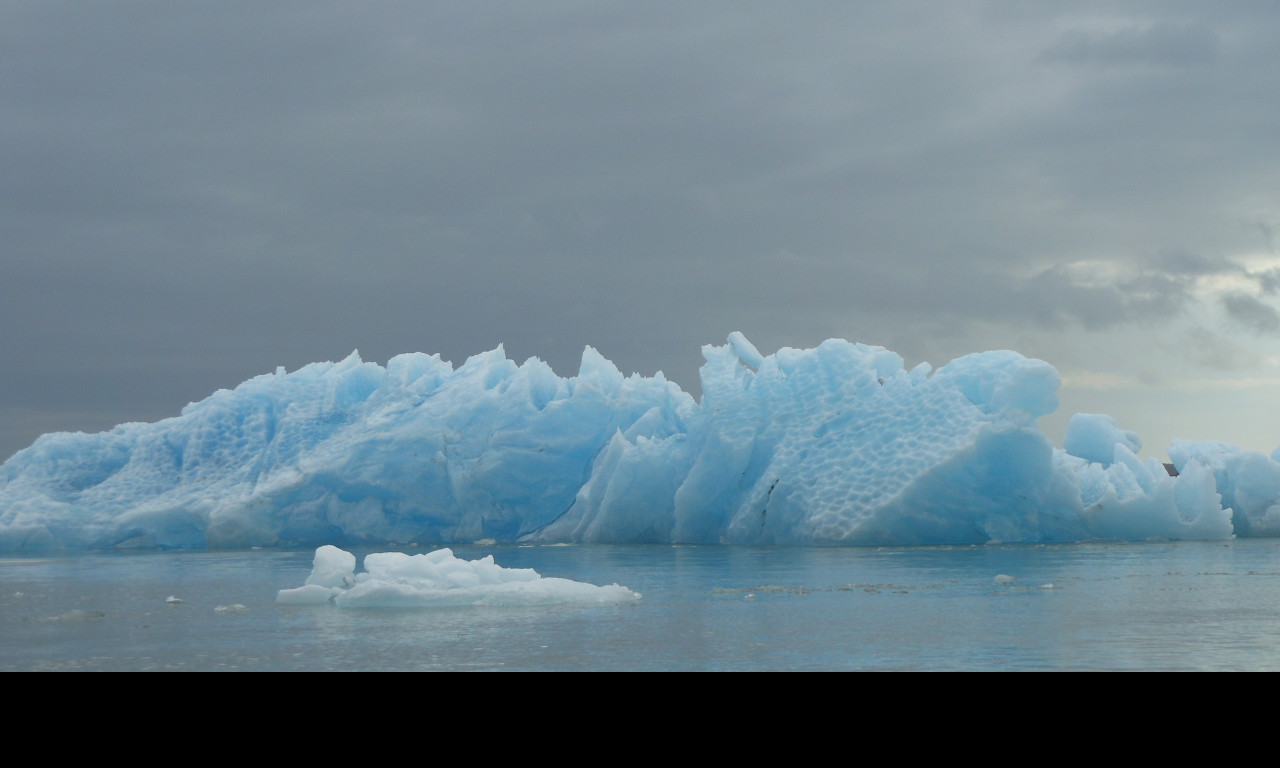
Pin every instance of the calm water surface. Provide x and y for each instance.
(1149, 606)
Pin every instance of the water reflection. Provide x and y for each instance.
(1086, 606)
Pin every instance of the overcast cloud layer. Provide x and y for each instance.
(194, 193)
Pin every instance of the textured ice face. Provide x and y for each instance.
(836, 445)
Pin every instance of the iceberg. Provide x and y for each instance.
(437, 579)
(838, 445)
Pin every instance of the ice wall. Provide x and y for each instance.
(836, 445)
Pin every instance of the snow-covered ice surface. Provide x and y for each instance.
(835, 445)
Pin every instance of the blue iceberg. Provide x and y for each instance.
(835, 445)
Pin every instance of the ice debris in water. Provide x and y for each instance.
(397, 580)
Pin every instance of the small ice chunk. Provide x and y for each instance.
(1095, 436)
(332, 567)
(745, 350)
(397, 580)
(79, 614)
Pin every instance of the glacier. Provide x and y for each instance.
(837, 445)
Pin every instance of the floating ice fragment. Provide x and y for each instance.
(397, 580)
(309, 594)
(79, 614)
(1005, 578)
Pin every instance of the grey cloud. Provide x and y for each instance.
(1186, 264)
(1181, 266)
(1251, 312)
(1213, 350)
(1053, 296)
(1165, 44)
(1268, 281)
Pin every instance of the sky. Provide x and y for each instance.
(192, 194)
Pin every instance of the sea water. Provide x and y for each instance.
(1145, 606)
